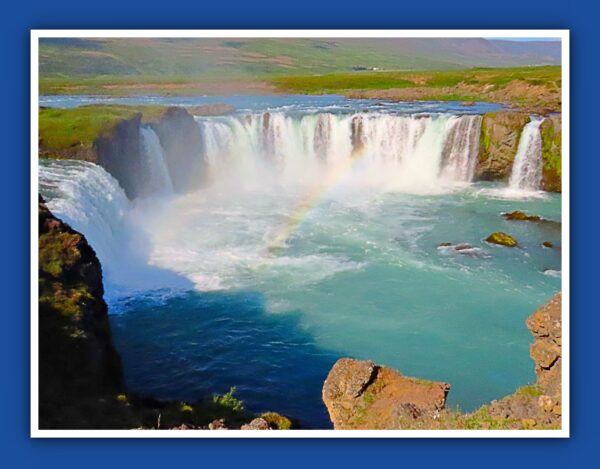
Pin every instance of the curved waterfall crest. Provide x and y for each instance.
(89, 199)
(409, 148)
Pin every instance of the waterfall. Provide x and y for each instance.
(461, 148)
(527, 168)
(403, 151)
(158, 180)
(90, 200)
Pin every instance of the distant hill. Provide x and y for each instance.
(185, 59)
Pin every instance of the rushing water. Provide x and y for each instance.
(317, 238)
(527, 168)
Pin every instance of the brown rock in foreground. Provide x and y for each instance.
(546, 351)
(361, 395)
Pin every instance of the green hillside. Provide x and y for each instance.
(91, 62)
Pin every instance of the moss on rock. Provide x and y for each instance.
(499, 140)
(502, 239)
(551, 133)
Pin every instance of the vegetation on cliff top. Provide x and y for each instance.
(80, 370)
(62, 129)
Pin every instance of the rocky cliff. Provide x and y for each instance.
(182, 143)
(80, 377)
(77, 359)
(361, 395)
(120, 152)
(551, 131)
(499, 141)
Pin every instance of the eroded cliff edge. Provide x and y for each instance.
(499, 141)
(361, 395)
(80, 376)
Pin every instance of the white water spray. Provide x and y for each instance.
(461, 148)
(396, 151)
(527, 168)
(159, 180)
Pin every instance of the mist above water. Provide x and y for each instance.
(332, 219)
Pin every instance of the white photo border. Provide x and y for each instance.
(559, 34)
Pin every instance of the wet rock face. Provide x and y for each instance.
(361, 395)
(502, 239)
(499, 140)
(546, 351)
(551, 133)
(77, 359)
(181, 141)
(517, 215)
(119, 151)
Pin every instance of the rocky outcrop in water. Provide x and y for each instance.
(181, 141)
(502, 239)
(361, 395)
(518, 215)
(120, 152)
(499, 140)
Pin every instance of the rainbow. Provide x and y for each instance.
(308, 203)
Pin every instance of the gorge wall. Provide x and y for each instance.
(361, 395)
(499, 141)
(80, 376)
(187, 150)
(78, 362)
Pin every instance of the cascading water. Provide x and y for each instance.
(90, 200)
(158, 180)
(354, 269)
(461, 148)
(398, 151)
(527, 168)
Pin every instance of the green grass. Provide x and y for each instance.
(499, 77)
(61, 129)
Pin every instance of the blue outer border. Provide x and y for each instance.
(19, 17)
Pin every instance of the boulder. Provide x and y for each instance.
(517, 215)
(503, 239)
(257, 424)
(361, 395)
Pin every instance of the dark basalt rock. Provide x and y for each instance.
(517, 215)
(181, 141)
(77, 359)
(120, 152)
